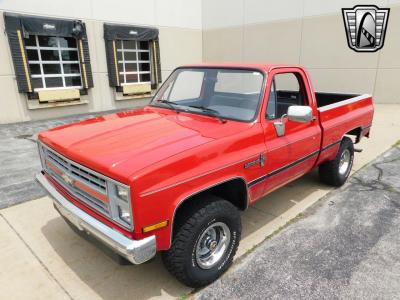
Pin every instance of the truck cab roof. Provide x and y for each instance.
(265, 67)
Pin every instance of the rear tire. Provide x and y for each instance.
(205, 243)
(335, 172)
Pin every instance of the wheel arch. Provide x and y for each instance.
(357, 132)
(224, 189)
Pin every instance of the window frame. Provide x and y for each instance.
(302, 90)
(58, 62)
(273, 85)
(122, 50)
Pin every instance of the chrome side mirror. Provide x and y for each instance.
(280, 126)
(302, 114)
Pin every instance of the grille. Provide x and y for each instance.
(81, 182)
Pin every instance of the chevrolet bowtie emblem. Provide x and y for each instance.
(68, 179)
(365, 27)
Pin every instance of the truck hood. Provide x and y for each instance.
(120, 144)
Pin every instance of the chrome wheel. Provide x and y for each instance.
(212, 245)
(345, 161)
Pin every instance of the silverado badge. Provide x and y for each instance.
(259, 161)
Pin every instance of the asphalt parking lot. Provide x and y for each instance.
(19, 159)
(347, 246)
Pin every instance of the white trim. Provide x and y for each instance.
(55, 62)
(135, 83)
(40, 59)
(123, 59)
(58, 88)
(132, 50)
(338, 93)
(54, 76)
(135, 72)
(49, 48)
(344, 102)
(134, 61)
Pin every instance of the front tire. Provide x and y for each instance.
(336, 171)
(205, 244)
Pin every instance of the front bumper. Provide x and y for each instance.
(136, 251)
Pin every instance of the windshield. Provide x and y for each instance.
(224, 93)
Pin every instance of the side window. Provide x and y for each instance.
(287, 90)
(271, 108)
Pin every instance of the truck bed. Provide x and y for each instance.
(341, 114)
(324, 99)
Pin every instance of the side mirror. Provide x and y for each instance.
(302, 114)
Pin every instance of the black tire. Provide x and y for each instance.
(181, 260)
(329, 172)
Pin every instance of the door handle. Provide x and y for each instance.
(262, 159)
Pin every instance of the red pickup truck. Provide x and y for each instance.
(173, 176)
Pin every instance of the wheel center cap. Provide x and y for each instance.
(213, 245)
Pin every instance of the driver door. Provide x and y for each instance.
(293, 154)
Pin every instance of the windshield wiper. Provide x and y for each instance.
(213, 112)
(170, 104)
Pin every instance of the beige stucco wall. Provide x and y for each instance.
(306, 32)
(180, 36)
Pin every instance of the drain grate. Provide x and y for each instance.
(29, 137)
(24, 136)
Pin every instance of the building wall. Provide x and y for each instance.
(179, 23)
(306, 32)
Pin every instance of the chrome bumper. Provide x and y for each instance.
(136, 251)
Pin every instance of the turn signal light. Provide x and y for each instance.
(155, 226)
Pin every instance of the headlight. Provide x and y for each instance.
(123, 193)
(124, 214)
(120, 203)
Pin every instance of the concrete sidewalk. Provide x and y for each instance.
(346, 247)
(42, 257)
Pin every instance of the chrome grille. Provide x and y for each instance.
(77, 174)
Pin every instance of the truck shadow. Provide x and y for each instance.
(276, 209)
(91, 272)
(98, 274)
